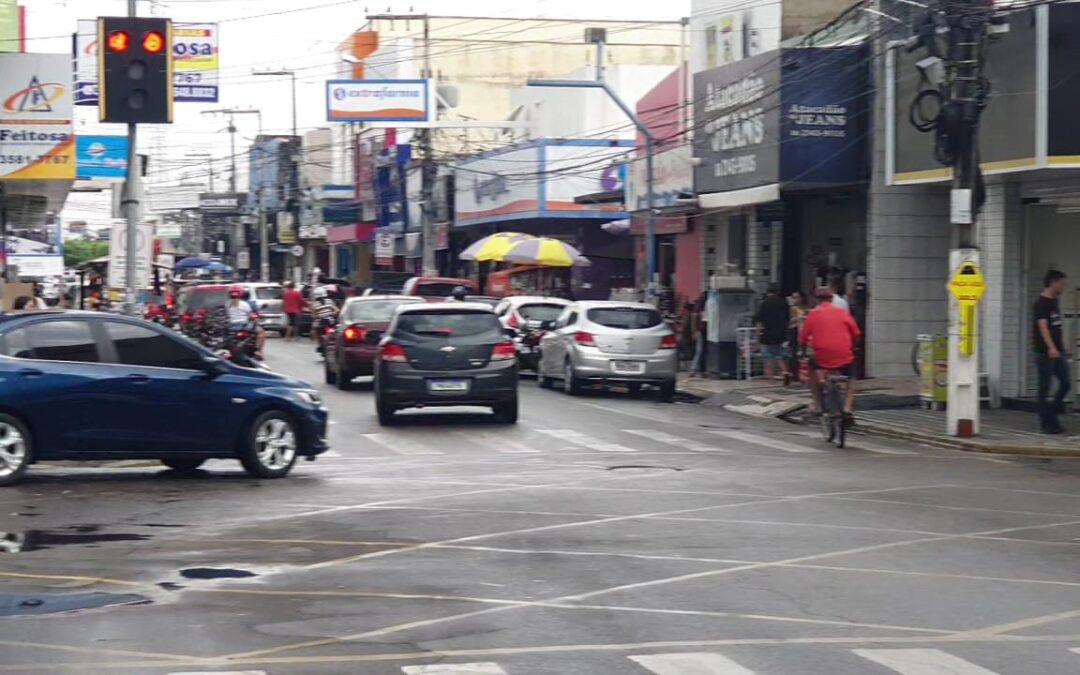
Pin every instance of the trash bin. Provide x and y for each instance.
(934, 370)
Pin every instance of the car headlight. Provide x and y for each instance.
(310, 395)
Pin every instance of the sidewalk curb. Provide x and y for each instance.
(967, 445)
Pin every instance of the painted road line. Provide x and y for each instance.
(498, 443)
(763, 441)
(223, 672)
(922, 662)
(699, 663)
(401, 445)
(672, 439)
(860, 444)
(485, 668)
(585, 441)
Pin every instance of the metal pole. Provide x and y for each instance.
(131, 208)
(232, 154)
(264, 247)
(428, 174)
(292, 74)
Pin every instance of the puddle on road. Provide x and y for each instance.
(16, 605)
(77, 535)
(216, 573)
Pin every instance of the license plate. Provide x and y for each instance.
(628, 367)
(444, 386)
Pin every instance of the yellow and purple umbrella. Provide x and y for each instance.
(493, 247)
(545, 251)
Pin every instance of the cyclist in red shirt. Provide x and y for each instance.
(832, 333)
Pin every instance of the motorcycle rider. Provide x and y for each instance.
(241, 315)
(323, 313)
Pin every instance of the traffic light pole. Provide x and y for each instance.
(131, 208)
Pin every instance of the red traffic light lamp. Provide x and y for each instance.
(153, 42)
(118, 41)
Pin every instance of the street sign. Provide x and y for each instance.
(967, 285)
(144, 255)
(297, 251)
(243, 260)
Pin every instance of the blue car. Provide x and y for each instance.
(92, 386)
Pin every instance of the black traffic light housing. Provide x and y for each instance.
(135, 66)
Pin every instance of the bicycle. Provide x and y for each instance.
(833, 423)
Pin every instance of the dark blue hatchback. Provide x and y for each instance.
(91, 386)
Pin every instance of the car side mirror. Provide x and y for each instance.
(215, 365)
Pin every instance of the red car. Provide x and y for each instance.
(353, 345)
(438, 288)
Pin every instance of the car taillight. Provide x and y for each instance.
(668, 342)
(584, 338)
(513, 322)
(354, 334)
(393, 353)
(186, 317)
(504, 351)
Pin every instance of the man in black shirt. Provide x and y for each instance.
(1050, 354)
(772, 321)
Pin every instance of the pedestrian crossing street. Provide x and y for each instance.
(897, 661)
(532, 440)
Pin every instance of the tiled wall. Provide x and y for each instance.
(1000, 234)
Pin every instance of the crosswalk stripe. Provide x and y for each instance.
(585, 441)
(499, 443)
(672, 439)
(761, 440)
(701, 663)
(485, 668)
(922, 662)
(401, 445)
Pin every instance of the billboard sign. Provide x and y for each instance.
(12, 26)
(397, 101)
(101, 157)
(36, 136)
(195, 63)
(673, 174)
(37, 250)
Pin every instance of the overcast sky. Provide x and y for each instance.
(262, 34)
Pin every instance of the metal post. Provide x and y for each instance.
(428, 174)
(232, 154)
(131, 207)
(292, 74)
(264, 248)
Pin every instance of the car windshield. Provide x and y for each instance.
(373, 310)
(436, 289)
(447, 324)
(269, 293)
(626, 318)
(207, 299)
(544, 312)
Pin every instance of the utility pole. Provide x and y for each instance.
(429, 172)
(264, 246)
(131, 206)
(232, 112)
(967, 21)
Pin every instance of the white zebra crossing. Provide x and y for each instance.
(485, 668)
(922, 662)
(703, 663)
(772, 443)
(584, 440)
(401, 444)
(672, 439)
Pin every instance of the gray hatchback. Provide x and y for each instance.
(446, 354)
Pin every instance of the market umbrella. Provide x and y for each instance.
(219, 267)
(545, 251)
(192, 263)
(493, 247)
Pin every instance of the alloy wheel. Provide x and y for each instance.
(12, 449)
(275, 444)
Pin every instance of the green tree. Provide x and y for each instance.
(79, 251)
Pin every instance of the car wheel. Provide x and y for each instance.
(344, 380)
(571, 383)
(385, 413)
(15, 449)
(330, 376)
(507, 412)
(667, 391)
(183, 464)
(269, 451)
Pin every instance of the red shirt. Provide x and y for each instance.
(292, 302)
(832, 332)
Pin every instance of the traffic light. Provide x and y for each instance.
(135, 62)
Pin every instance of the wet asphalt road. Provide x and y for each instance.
(602, 535)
